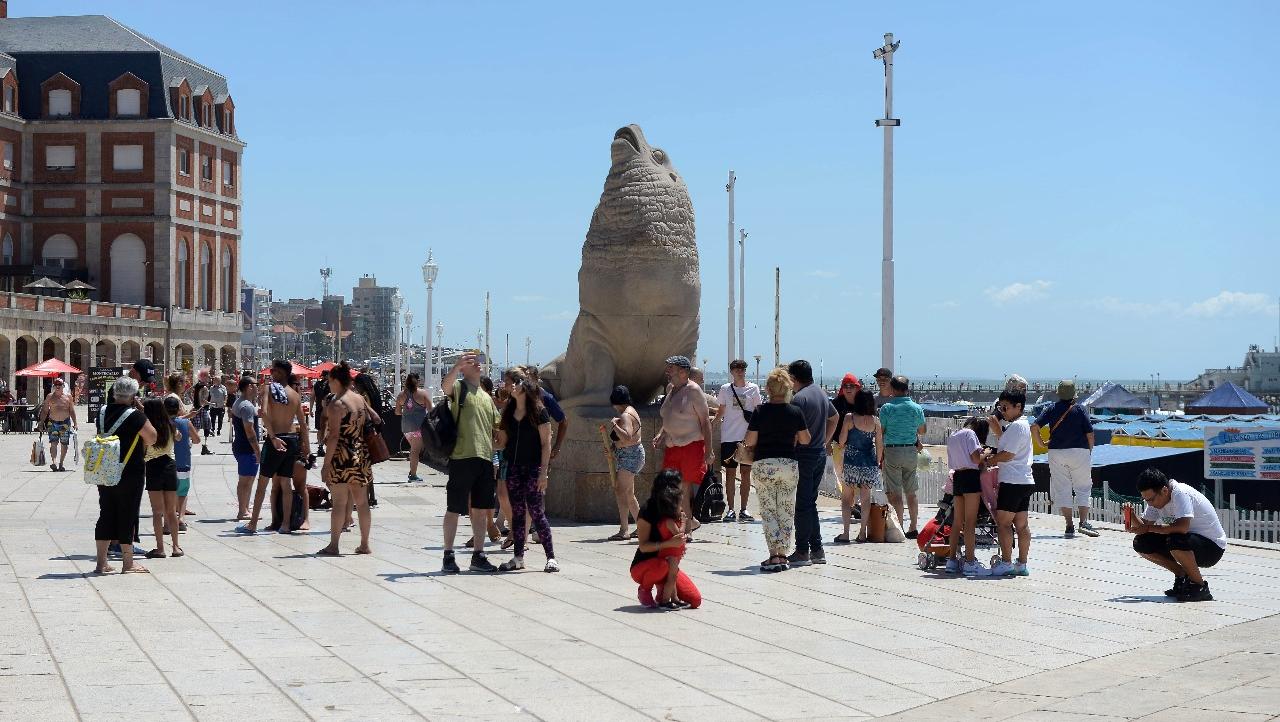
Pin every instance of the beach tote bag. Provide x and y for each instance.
(103, 465)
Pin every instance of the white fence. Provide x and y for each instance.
(1246, 525)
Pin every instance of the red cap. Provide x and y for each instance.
(850, 379)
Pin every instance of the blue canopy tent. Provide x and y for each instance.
(1228, 399)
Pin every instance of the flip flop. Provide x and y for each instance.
(842, 539)
(326, 552)
(178, 553)
(136, 570)
(618, 537)
(363, 550)
(155, 554)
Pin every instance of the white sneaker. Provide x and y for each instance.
(953, 566)
(1000, 569)
(551, 566)
(975, 568)
(512, 564)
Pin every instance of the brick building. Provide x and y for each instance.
(121, 168)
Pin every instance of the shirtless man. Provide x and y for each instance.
(281, 410)
(686, 433)
(59, 417)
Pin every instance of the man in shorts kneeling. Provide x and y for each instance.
(1179, 531)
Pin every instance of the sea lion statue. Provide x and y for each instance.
(639, 288)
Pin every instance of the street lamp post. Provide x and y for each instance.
(408, 341)
(430, 270)
(888, 122)
(757, 369)
(396, 302)
(438, 361)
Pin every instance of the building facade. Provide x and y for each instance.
(1259, 374)
(374, 322)
(121, 169)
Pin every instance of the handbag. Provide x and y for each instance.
(875, 521)
(378, 451)
(746, 415)
(744, 455)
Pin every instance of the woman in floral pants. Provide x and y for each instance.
(776, 428)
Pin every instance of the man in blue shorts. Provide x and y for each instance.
(244, 443)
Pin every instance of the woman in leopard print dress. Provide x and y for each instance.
(347, 470)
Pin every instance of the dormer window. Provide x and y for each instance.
(129, 102)
(208, 115)
(59, 103)
(10, 99)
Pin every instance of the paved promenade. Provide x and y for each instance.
(258, 628)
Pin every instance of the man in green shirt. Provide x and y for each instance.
(903, 423)
(471, 484)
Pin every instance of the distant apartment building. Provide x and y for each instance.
(121, 171)
(256, 327)
(374, 329)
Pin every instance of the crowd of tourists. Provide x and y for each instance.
(778, 440)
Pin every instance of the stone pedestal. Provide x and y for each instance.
(579, 488)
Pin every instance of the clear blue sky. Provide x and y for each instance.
(1081, 189)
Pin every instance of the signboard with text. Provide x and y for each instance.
(98, 386)
(1241, 453)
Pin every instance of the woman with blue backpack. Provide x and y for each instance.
(118, 503)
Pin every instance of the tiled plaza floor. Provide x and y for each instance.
(258, 628)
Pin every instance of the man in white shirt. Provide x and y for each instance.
(735, 401)
(1179, 531)
(1013, 454)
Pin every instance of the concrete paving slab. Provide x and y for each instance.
(259, 621)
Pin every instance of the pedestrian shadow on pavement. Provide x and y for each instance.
(636, 609)
(63, 577)
(74, 558)
(743, 572)
(398, 576)
(1140, 598)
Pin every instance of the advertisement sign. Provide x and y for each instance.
(246, 308)
(98, 386)
(1236, 453)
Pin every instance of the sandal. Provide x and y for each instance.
(508, 543)
(155, 554)
(178, 553)
(136, 569)
(327, 552)
(841, 539)
(633, 535)
(618, 537)
(363, 550)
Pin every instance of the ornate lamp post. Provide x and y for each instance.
(430, 270)
(408, 341)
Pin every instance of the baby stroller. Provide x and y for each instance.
(934, 539)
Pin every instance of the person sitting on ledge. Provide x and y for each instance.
(1178, 530)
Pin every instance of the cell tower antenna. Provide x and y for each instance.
(325, 273)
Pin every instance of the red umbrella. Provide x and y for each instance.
(48, 368)
(325, 366)
(296, 368)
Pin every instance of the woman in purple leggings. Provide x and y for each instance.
(525, 434)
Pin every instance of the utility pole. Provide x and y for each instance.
(729, 188)
(337, 340)
(488, 357)
(777, 315)
(742, 294)
(528, 344)
(888, 122)
(506, 355)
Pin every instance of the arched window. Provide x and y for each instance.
(6, 250)
(128, 270)
(206, 278)
(128, 101)
(228, 290)
(60, 251)
(184, 273)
